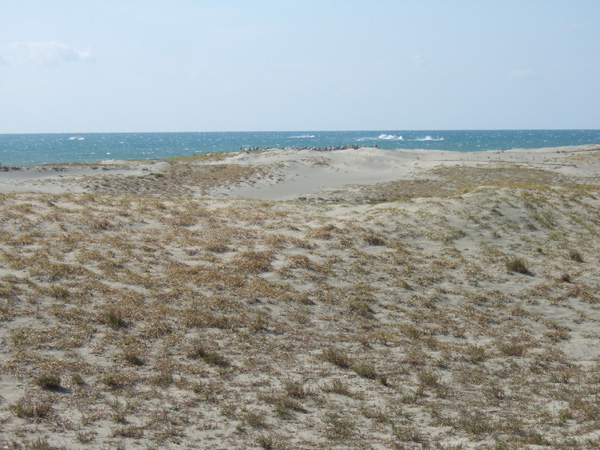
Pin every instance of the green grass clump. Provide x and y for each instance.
(48, 382)
(133, 358)
(476, 354)
(366, 371)
(337, 357)
(113, 317)
(27, 408)
(517, 265)
(199, 351)
(575, 256)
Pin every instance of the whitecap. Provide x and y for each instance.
(390, 137)
(429, 138)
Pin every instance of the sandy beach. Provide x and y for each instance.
(297, 299)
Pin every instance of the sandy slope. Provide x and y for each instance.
(182, 304)
(302, 173)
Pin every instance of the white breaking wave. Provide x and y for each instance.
(429, 138)
(390, 137)
(304, 136)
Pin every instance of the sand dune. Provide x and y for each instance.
(295, 299)
(289, 174)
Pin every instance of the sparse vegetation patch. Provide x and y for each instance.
(161, 319)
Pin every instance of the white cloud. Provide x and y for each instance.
(43, 53)
(518, 74)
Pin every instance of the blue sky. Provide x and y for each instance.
(260, 65)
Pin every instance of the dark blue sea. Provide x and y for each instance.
(31, 149)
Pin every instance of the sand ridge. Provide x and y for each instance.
(287, 174)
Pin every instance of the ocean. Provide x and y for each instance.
(33, 149)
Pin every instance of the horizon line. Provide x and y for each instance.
(303, 131)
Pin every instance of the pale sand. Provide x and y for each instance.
(305, 173)
(286, 299)
(289, 174)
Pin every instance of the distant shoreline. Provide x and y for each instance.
(36, 149)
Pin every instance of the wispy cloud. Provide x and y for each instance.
(42, 53)
(518, 74)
